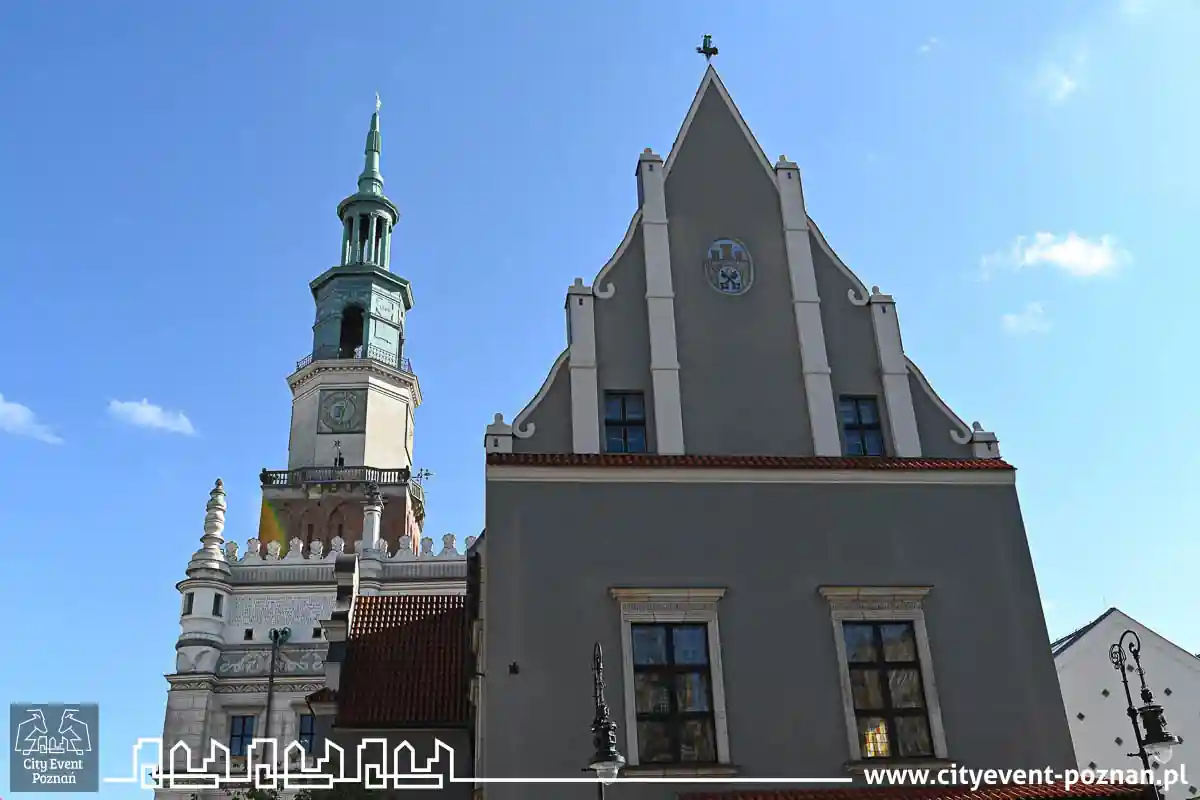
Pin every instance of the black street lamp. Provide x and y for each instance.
(1156, 741)
(606, 760)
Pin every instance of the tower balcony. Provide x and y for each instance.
(346, 478)
(368, 353)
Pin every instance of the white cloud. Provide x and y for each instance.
(1031, 319)
(144, 414)
(1057, 82)
(928, 45)
(1075, 255)
(20, 420)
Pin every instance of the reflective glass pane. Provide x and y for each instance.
(612, 408)
(690, 644)
(899, 643)
(614, 440)
(860, 642)
(654, 743)
(652, 691)
(635, 408)
(635, 438)
(912, 736)
(872, 443)
(849, 412)
(905, 686)
(649, 644)
(866, 687)
(873, 737)
(697, 742)
(854, 443)
(691, 692)
(868, 412)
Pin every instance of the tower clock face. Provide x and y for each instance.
(342, 411)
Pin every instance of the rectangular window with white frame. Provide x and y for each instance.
(889, 695)
(241, 734)
(672, 678)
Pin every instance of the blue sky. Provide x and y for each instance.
(1021, 176)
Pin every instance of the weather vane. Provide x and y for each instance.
(706, 48)
(378, 104)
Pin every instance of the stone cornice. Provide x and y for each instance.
(356, 367)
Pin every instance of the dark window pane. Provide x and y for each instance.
(635, 408)
(905, 688)
(691, 692)
(612, 408)
(866, 687)
(860, 642)
(654, 743)
(635, 439)
(614, 439)
(854, 443)
(899, 643)
(849, 412)
(912, 736)
(873, 443)
(691, 644)
(868, 412)
(873, 737)
(649, 644)
(652, 692)
(696, 741)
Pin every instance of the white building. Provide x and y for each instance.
(1095, 698)
(257, 630)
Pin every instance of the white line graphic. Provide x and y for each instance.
(374, 768)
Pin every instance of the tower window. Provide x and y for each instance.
(189, 600)
(860, 426)
(351, 336)
(625, 422)
(218, 605)
(306, 730)
(248, 634)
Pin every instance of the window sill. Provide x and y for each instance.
(864, 764)
(681, 771)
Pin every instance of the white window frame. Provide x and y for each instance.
(884, 604)
(672, 606)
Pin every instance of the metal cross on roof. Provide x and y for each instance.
(706, 48)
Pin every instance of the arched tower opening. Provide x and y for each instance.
(351, 335)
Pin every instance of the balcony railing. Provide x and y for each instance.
(310, 476)
(369, 353)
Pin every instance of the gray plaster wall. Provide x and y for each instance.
(934, 425)
(557, 548)
(740, 373)
(550, 418)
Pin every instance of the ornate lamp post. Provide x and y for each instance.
(1153, 739)
(606, 760)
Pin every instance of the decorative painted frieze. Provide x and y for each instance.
(279, 611)
(257, 662)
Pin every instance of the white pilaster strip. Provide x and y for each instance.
(814, 361)
(585, 403)
(660, 307)
(897, 393)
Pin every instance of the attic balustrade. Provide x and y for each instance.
(298, 550)
(368, 353)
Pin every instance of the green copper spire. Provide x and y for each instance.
(371, 181)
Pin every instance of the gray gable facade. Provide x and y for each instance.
(799, 561)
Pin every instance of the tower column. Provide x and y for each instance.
(371, 257)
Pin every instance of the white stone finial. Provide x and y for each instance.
(337, 545)
(976, 426)
(426, 547)
(253, 550)
(273, 549)
(448, 548)
(875, 290)
(471, 541)
(316, 548)
(498, 419)
(214, 516)
(231, 548)
(295, 549)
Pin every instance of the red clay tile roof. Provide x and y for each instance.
(1054, 791)
(406, 663)
(740, 462)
